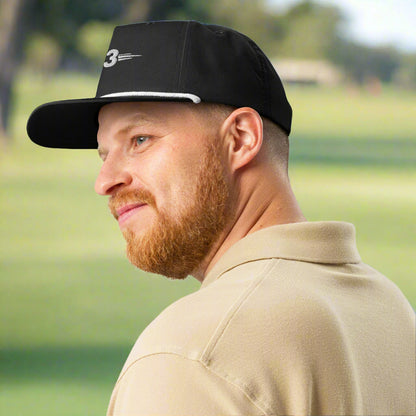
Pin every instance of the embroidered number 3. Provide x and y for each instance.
(112, 55)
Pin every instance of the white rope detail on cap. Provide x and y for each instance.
(192, 97)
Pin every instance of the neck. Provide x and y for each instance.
(266, 204)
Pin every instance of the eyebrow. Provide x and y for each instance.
(135, 121)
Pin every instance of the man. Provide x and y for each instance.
(191, 122)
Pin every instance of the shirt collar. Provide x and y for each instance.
(329, 242)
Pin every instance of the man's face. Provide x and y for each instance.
(164, 172)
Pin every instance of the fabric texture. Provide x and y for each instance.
(290, 321)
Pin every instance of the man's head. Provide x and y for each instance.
(172, 172)
(191, 120)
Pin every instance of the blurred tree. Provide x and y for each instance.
(311, 31)
(253, 19)
(62, 19)
(52, 25)
(42, 53)
(141, 10)
(12, 16)
(190, 10)
(93, 38)
(405, 76)
(362, 63)
(250, 17)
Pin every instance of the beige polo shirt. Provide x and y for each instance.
(288, 322)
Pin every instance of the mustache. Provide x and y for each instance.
(126, 197)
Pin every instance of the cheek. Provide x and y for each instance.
(165, 174)
(180, 184)
(170, 171)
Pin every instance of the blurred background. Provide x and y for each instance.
(71, 304)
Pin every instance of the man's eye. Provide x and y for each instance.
(141, 139)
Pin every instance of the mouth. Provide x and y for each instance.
(125, 212)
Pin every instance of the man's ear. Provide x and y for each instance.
(243, 135)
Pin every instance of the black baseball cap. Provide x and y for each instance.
(168, 61)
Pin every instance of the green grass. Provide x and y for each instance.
(71, 304)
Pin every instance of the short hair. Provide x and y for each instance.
(275, 139)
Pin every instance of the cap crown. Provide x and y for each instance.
(207, 62)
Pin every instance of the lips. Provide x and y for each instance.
(125, 212)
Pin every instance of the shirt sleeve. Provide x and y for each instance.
(171, 385)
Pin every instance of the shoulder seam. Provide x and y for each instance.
(229, 380)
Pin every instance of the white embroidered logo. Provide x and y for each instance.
(113, 56)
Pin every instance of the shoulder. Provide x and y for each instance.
(284, 303)
(262, 299)
(186, 342)
(258, 322)
(190, 324)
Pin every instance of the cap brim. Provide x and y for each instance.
(73, 124)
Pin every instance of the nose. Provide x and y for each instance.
(113, 174)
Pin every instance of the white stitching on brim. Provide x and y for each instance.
(192, 97)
